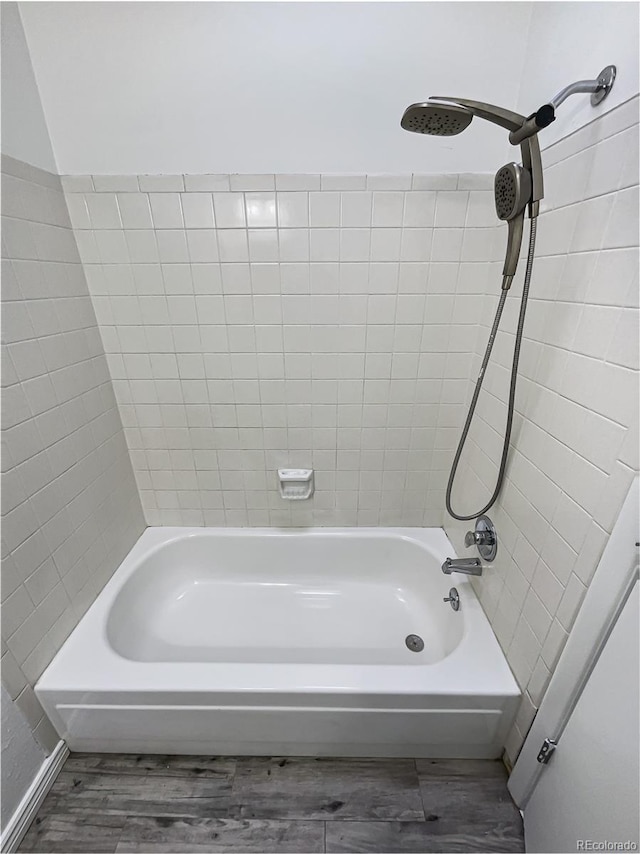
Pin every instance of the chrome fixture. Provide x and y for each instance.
(436, 120)
(465, 565)
(414, 643)
(512, 191)
(484, 537)
(516, 188)
(446, 116)
(599, 89)
(453, 599)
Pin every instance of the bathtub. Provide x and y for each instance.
(286, 642)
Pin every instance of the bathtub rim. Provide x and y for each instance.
(476, 667)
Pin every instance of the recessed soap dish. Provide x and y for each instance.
(295, 484)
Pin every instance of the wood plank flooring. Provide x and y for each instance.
(125, 803)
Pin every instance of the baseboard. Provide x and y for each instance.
(26, 810)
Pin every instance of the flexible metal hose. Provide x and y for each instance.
(512, 385)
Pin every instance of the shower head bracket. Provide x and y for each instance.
(529, 147)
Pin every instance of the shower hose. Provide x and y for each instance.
(512, 386)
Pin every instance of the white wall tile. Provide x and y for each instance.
(342, 182)
(172, 246)
(434, 182)
(116, 183)
(70, 504)
(103, 210)
(260, 210)
(263, 245)
(252, 182)
(78, 211)
(450, 213)
(297, 182)
(232, 245)
(77, 183)
(579, 413)
(293, 210)
(142, 246)
(294, 244)
(356, 209)
(229, 210)
(475, 181)
(134, 210)
(206, 183)
(419, 209)
(161, 183)
(324, 210)
(166, 210)
(621, 230)
(203, 245)
(388, 209)
(291, 330)
(388, 182)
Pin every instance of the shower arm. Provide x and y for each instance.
(523, 130)
(529, 146)
(599, 89)
(577, 88)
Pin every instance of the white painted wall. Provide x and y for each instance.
(22, 757)
(302, 87)
(269, 87)
(575, 41)
(24, 132)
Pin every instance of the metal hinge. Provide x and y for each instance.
(546, 751)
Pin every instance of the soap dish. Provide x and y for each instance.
(295, 484)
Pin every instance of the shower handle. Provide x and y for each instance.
(478, 538)
(514, 242)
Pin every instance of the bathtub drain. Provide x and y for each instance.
(414, 643)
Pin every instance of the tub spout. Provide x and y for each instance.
(465, 565)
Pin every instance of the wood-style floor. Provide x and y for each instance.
(131, 803)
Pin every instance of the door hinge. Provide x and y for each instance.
(546, 751)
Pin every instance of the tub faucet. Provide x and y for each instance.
(465, 565)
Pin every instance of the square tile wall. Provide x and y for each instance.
(575, 440)
(70, 508)
(253, 322)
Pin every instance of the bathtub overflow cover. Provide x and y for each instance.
(414, 643)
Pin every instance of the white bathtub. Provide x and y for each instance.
(263, 641)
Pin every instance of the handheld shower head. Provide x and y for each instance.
(436, 119)
(512, 193)
(512, 190)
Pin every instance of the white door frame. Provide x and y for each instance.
(612, 583)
